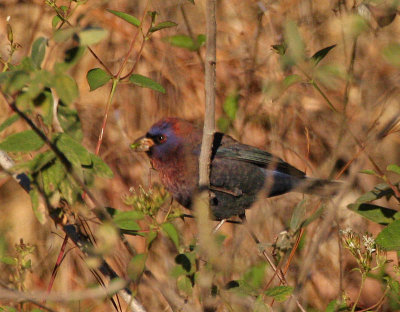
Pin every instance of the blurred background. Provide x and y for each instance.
(330, 129)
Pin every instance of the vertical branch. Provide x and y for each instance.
(201, 205)
(210, 74)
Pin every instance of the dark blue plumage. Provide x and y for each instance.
(239, 172)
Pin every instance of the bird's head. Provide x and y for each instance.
(166, 138)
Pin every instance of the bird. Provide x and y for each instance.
(238, 172)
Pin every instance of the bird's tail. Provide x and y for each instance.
(319, 187)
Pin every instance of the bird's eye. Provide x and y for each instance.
(160, 138)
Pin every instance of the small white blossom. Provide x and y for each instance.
(369, 243)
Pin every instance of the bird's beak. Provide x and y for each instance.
(142, 144)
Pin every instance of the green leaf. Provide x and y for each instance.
(68, 191)
(71, 57)
(185, 42)
(389, 237)
(136, 266)
(9, 260)
(279, 293)
(24, 141)
(62, 35)
(391, 54)
(126, 17)
(223, 124)
(375, 213)
(184, 260)
(150, 237)
(231, 106)
(40, 160)
(298, 215)
(27, 264)
(320, 55)
(291, 80)
(260, 305)
(280, 49)
(70, 122)
(44, 100)
(191, 1)
(8, 309)
(184, 284)
(393, 168)
(181, 41)
(379, 191)
(38, 51)
(201, 40)
(96, 78)
(54, 22)
(255, 276)
(146, 82)
(91, 36)
(14, 80)
(162, 25)
(126, 220)
(294, 42)
(52, 176)
(369, 171)
(172, 233)
(34, 195)
(100, 168)
(331, 307)
(335, 306)
(66, 88)
(8, 122)
(67, 144)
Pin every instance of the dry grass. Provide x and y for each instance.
(297, 125)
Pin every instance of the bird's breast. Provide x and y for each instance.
(179, 181)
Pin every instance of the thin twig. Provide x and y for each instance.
(60, 258)
(277, 271)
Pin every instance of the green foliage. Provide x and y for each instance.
(97, 77)
(295, 45)
(19, 264)
(279, 293)
(92, 36)
(172, 233)
(38, 51)
(389, 237)
(375, 213)
(126, 220)
(8, 122)
(162, 25)
(186, 42)
(251, 283)
(230, 107)
(391, 54)
(136, 266)
(320, 55)
(126, 17)
(66, 88)
(146, 82)
(24, 141)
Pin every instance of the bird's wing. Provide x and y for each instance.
(226, 147)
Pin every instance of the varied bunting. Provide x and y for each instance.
(238, 171)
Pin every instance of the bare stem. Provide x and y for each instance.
(103, 126)
(363, 277)
(210, 77)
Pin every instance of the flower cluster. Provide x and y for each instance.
(363, 247)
